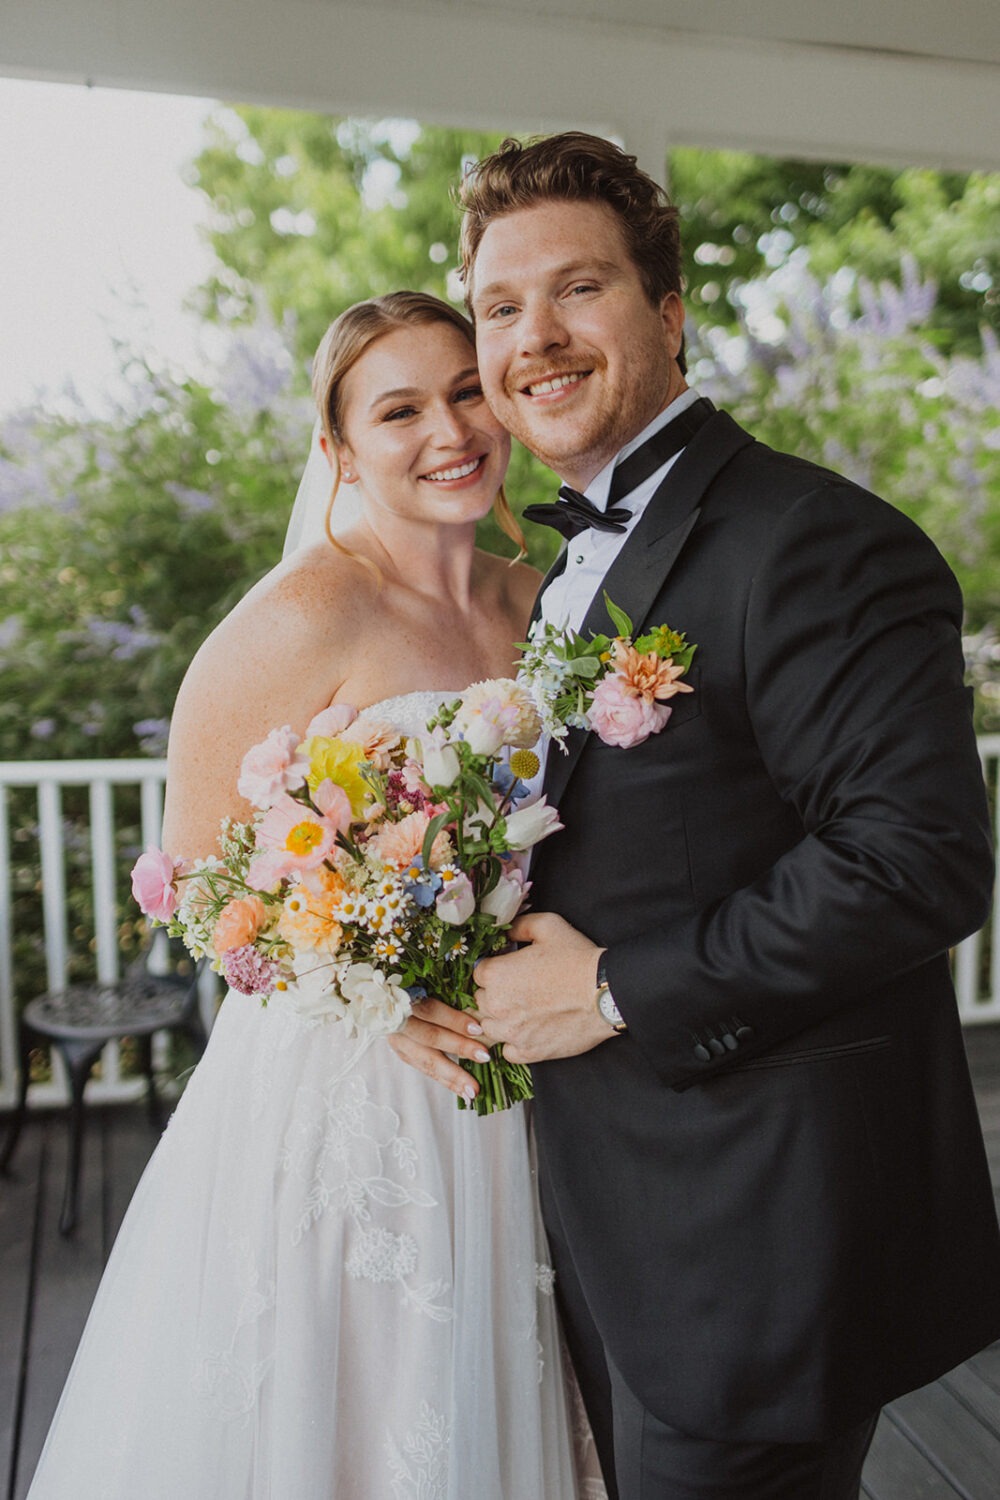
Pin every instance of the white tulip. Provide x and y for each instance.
(441, 765)
(503, 902)
(531, 823)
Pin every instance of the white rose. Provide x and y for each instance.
(531, 823)
(376, 1002)
(441, 765)
(314, 991)
(503, 902)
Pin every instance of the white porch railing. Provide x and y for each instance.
(977, 982)
(48, 843)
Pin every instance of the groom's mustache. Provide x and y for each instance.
(564, 364)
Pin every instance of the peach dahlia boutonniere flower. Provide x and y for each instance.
(647, 674)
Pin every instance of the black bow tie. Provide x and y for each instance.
(573, 512)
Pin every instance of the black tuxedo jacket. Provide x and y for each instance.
(773, 1190)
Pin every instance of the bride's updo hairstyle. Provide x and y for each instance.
(342, 346)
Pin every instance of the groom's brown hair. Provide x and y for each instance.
(577, 168)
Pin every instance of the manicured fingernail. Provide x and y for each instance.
(469, 1091)
(474, 1028)
(482, 1055)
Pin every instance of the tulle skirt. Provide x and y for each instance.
(332, 1284)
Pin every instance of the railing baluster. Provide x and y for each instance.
(53, 882)
(8, 1037)
(102, 857)
(152, 810)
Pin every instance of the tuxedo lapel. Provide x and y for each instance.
(557, 567)
(640, 570)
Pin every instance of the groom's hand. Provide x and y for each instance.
(540, 1000)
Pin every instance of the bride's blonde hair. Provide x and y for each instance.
(342, 346)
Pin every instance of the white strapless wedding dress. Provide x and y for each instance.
(332, 1284)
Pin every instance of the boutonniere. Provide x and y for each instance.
(616, 686)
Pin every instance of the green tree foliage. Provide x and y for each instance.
(745, 215)
(316, 213)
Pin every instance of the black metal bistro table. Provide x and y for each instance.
(79, 1021)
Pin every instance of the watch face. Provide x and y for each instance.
(609, 1009)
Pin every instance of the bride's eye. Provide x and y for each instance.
(469, 393)
(398, 413)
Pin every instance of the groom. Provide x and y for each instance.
(760, 1161)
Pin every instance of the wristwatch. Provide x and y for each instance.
(605, 1001)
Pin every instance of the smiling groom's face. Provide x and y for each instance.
(575, 360)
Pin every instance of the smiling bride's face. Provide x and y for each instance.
(419, 438)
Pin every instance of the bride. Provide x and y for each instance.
(332, 1284)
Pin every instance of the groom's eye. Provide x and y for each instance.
(505, 310)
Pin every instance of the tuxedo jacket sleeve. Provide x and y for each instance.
(852, 670)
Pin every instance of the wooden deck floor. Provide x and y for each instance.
(939, 1443)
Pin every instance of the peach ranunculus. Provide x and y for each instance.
(648, 675)
(377, 738)
(271, 768)
(307, 919)
(621, 716)
(239, 922)
(398, 844)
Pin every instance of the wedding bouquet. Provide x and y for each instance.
(376, 869)
(617, 687)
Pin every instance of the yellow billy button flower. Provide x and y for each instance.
(337, 761)
(524, 764)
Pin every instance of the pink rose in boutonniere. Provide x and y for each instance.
(616, 687)
(620, 716)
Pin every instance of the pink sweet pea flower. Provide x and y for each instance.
(270, 768)
(153, 886)
(620, 716)
(332, 721)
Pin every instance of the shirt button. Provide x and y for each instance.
(579, 558)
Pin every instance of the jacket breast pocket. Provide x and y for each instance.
(686, 706)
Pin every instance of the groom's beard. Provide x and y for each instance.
(581, 433)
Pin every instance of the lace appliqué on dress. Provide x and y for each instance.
(420, 1468)
(348, 1152)
(229, 1380)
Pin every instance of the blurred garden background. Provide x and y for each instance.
(848, 313)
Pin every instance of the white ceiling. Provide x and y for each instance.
(895, 81)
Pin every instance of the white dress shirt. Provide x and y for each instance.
(590, 554)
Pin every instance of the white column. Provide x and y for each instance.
(645, 137)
